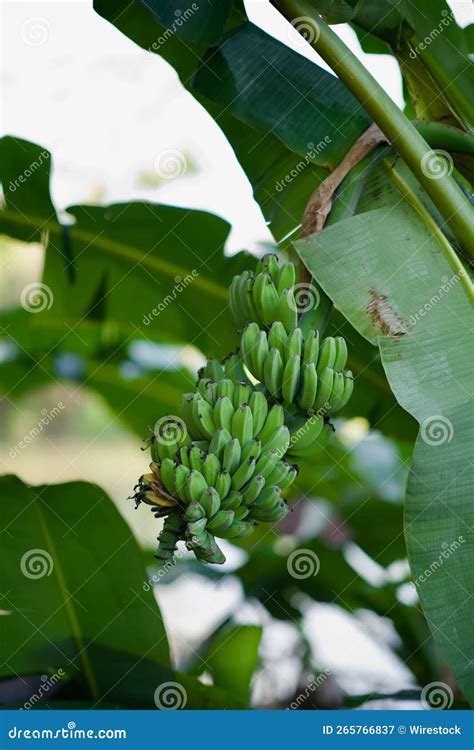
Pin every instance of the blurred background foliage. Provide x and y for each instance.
(246, 633)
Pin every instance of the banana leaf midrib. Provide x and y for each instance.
(120, 250)
(68, 606)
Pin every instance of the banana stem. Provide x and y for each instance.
(441, 188)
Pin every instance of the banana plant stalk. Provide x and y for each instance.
(399, 130)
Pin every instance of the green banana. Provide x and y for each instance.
(248, 342)
(212, 370)
(223, 413)
(259, 407)
(309, 387)
(223, 483)
(279, 474)
(194, 486)
(348, 388)
(265, 298)
(194, 512)
(252, 449)
(311, 348)
(219, 441)
(277, 336)
(275, 514)
(269, 264)
(195, 457)
(278, 442)
(306, 434)
(273, 373)
(210, 501)
(253, 489)
(167, 474)
(286, 277)
(241, 394)
(232, 500)
(231, 457)
(233, 369)
(260, 354)
(267, 499)
(238, 530)
(241, 513)
(291, 379)
(181, 475)
(203, 415)
(225, 387)
(341, 354)
(243, 474)
(221, 521)
(294, 344)
(327, 354)
(242, 424)
(289, 479)
(325, 384)
(266, 463)
(210, 468)
(335, 399)
(286, 310)
(273, 422)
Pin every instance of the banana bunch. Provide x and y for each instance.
(220, 468)
(229, 476)
(266, 295)
(299, 370)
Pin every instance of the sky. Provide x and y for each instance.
(111, 112)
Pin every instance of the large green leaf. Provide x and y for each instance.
(232, 658)
(386, 272)
(281, 92)
(154, 269)
(72, 576)
(287, 120)
(139, 402)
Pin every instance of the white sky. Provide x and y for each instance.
(107, 110)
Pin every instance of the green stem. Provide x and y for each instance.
(444, 192)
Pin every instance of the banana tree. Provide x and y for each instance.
(374, 206)
(393, 224)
